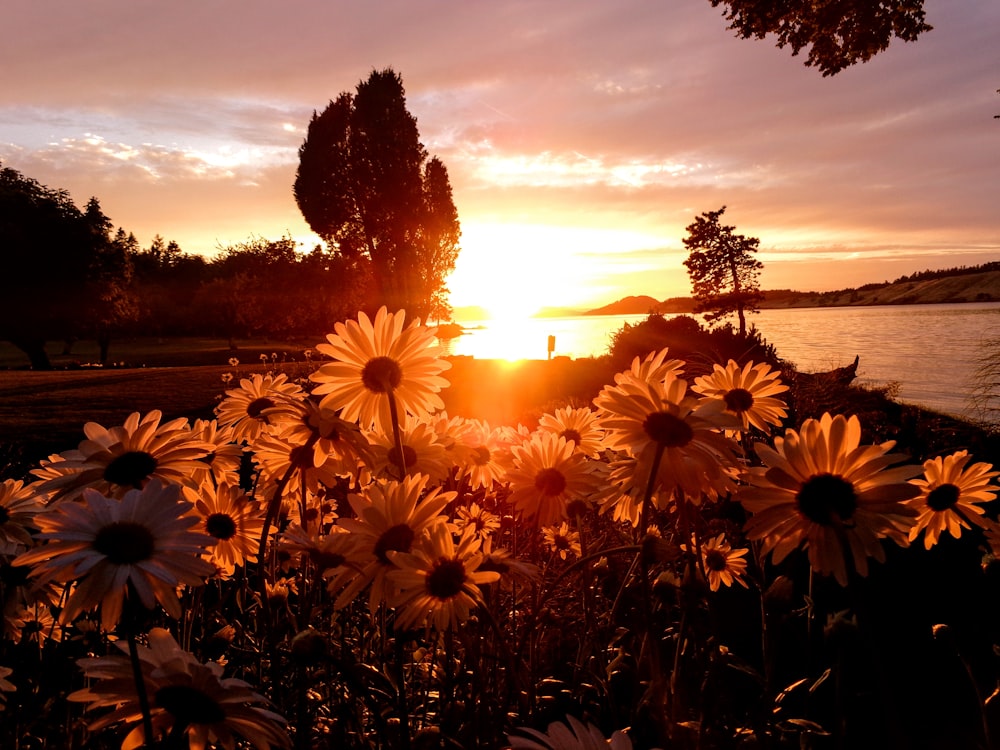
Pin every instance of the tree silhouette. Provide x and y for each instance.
(838, 33)
(724, 273)
(60, 271)
(365, 186)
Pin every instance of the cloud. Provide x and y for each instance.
(185, 119)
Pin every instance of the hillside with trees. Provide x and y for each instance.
(943, 286)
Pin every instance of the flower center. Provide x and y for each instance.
(738, 400)
(398, 538)
(571, 436)
(125, 542)
(550, 482)
(715, 560)
(130, 469)
(255, 407)
(446, 578)
(381, 374)
(480, 455)
(409, 458)
(942, 497)
(824, 496)
(668, 429)
(4, 515)
(560, 542)
(188, 705)
(221, 526)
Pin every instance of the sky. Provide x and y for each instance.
(581, 136)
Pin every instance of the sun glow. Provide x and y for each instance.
(511, 271)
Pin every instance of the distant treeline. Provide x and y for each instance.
(941, 273)
(928, 275)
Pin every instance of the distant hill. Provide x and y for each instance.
(978, 284)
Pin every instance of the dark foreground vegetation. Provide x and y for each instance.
(902, 657)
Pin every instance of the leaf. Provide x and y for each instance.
(819, 681)
(790, 689)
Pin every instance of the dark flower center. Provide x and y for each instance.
(409, 458)
(125, 542)
(221, 526)
(130, 469)
(571, 436)
(668, 429)
(560, 541)
(480, 455)
(942, 497)
(738, 400)
(255, 407)
(715, 560)
(824, 496)
(446, 578)
(550, 482)
(398, 538)
(381, 374)
(188, 705)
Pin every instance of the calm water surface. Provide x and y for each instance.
(931, 351)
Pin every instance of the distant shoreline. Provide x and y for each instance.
(961, 288)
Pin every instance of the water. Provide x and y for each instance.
(931, 351)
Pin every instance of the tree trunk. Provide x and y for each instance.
(35, 349)
(104, 344)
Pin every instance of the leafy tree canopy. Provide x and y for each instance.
(366, 186)
(837, 33)
(64, 272)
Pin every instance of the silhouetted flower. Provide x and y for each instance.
(391, 516)
(820, 490)
(438, 581)
(233, 522)
(116, 460)
(258, 405)
(723, 564)
(475, 517)
(186, 698)
(748, 393)
(546, 476)
(655, 421)
(374, 359)
(579, 427)
(19, 504)
(142, 541)
(421, 453)
(480, 453)
(952, 494)
(572, 734)
(562, 541)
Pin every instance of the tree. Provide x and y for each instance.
(51, 257)
(722, 268)
(111, 297)
(839, 33)
(365, 186)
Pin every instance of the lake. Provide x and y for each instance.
(932, 351)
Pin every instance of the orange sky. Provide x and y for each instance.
(581, 136)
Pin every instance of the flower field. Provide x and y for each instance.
(693, 559)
